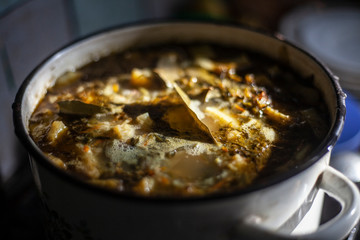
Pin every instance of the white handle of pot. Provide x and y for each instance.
(336, 185)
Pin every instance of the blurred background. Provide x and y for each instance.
(30, 30)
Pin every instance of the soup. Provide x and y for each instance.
(179, 120)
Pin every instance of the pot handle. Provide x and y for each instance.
(336, 185)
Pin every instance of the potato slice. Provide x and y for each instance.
(57, 130)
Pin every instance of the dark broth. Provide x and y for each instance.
(179, 120)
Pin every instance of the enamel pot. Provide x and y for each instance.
(270, 209)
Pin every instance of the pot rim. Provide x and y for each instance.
(324, 147)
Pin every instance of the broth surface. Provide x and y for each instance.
(179, 120)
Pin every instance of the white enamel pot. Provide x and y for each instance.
(267, 210)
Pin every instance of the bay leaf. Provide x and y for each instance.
(169, 71)
(75, 107)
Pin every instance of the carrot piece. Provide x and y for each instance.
(86, 148)
(115, 87)
(224, 149)
(236, 78)
(237, 107)
(165, 181)
(249, 78)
